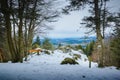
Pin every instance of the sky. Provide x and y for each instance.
(69, 25)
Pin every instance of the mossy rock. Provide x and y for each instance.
(69, 61)
(65, 49)
(77, 56)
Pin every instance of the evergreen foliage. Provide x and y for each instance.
(47, 45)
(77, 47)
(89, 48)
(115, 47)
(115, 43)
(37, 41)
(59, 45)
(96, 22)
(35, 46)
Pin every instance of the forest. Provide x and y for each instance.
(22, 20)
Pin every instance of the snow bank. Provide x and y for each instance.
(47, 67)
(57, 57)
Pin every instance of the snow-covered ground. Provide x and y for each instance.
(47, 67)
(57, 57)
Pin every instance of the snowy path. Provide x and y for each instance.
(54, 72)
(47, 67)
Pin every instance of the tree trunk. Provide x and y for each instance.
(98, 32)
(20, 30)
(6, 13)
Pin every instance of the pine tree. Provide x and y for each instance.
(115, 44)
(115, 48)
(47, 45)
(89, 48)
(93, 22)
(37, 41)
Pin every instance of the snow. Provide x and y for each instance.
(47, 67)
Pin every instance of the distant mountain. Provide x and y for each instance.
(67, 41)
(71, 41)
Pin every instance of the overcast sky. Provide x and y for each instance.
(68, 25)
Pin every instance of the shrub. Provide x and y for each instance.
(77, 47)
(100, 65)
(47, 52)
(70, 47)
(69, 61)
(35, 46)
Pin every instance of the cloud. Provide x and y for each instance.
(68, 25)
